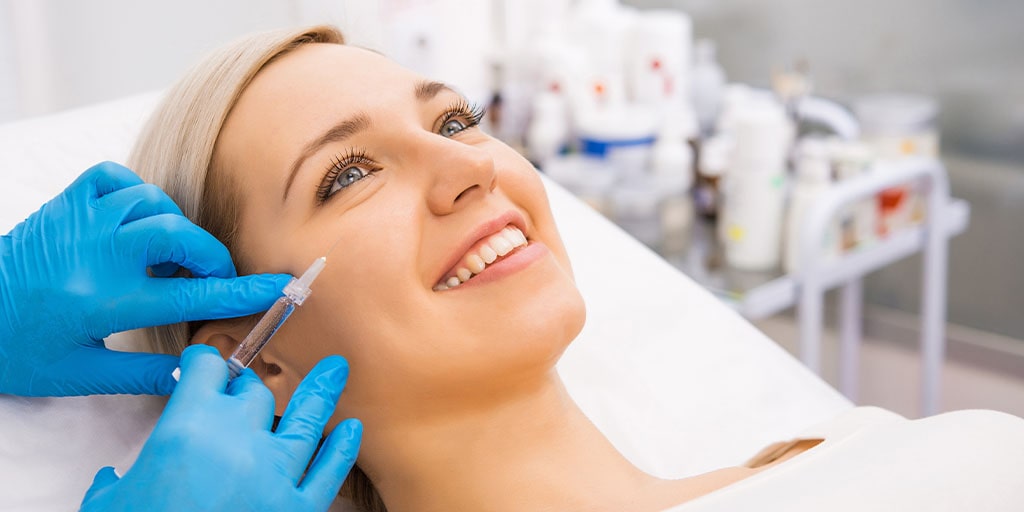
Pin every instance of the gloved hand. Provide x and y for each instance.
(213, 450)
(75, 272)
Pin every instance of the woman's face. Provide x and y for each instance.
(337, 150)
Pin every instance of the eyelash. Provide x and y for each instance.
(472, 115)
(472, 112)
(340, 164)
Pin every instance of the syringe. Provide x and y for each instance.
(295, 293)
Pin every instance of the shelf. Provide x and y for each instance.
(757, 295)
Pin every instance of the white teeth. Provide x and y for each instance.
(515, 236)
(475, 263)
(497, 245)
(488, 254)
(500, 245)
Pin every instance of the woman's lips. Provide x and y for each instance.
(477, 237)
(514, 261)
(487, 252)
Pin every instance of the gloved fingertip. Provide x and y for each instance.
(193, 355)
(334, 364)
(278, 281)
(339, 375)
(329, 376)
(105, 478)
(260, 290)
(353, 430)
(107, 475)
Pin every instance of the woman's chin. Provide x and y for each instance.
(523, 328)
(547, 321)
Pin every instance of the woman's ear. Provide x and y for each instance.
(225, 335)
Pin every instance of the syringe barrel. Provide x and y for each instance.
(265, 329)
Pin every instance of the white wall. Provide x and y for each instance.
(8, 89)
(69, 53)
(58, 54)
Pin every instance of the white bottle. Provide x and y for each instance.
(672, 156)
(672, 167)
(707, 81)
(813, 178)
(754, 194)
(601, 29)
(658, 59)
(548, 132)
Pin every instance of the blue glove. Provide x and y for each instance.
(75, 272)
(213, 449)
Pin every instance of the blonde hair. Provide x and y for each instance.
(175, 152)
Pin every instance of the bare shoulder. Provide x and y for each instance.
(669, 493)
(676, 492)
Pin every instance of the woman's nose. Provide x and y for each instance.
(459, 174)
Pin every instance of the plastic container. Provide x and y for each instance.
(896, 126)
(813, 178)
(672, 169)
(899, 125)
(548, 132)
(658, 58)
(601, 28)
(623, 136)
(671, 155)
(735, 98)
(755, 187)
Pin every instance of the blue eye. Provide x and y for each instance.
(452, 127)
(348, 177)
(344, 172)
(459, 116)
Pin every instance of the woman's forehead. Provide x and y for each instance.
(308, 90)
(334, 67)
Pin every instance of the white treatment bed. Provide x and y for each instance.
(679, 382)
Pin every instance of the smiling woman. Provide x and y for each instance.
(292, 136)
(449, 290)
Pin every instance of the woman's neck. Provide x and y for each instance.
(537, 451)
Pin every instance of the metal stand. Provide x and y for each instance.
(820, 274)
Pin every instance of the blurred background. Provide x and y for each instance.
(642, 107)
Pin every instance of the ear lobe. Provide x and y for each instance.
(225, 335)
(278, 377)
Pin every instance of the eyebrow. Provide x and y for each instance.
(425, 91)
(428, 89)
